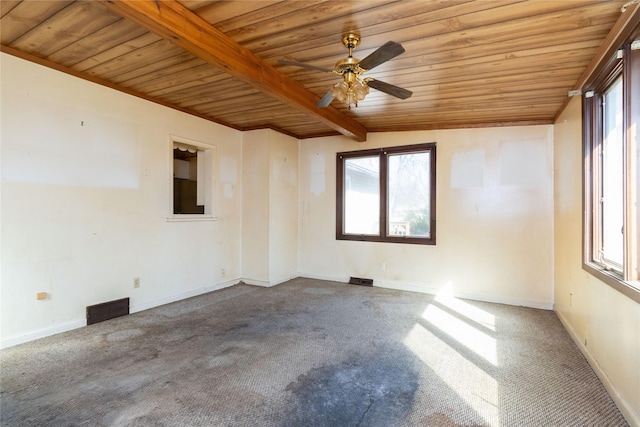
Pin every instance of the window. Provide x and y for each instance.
(192, 184)
(610, 245)
(387, 195)
(611, 119)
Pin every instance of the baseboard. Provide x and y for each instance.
(625, 407)
(269, 284)
(341, 279)
(498, 299)
(136, 307)
(401, 286)
(42, 333)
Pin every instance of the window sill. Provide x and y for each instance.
(389, 239)
(191, 218)
(629, 289)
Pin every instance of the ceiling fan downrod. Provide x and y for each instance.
(350, 41)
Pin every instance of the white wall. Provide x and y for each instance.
(255, 205)
(283, 207)
(604, 323)
(494, 217)
(86, 191)
(270, 207)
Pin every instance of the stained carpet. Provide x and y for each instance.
(308, 353)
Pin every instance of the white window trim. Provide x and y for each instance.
(210, 194)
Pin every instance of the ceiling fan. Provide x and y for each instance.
(354, 87)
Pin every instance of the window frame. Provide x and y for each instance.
(208, 175)
(383, 154)
(626, 67)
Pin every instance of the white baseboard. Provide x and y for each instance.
(137, 307)
(266, 284)
(401, 286)
(42, 333)
(323, 277)
(498, 299)
(632, 417)
(133, 308)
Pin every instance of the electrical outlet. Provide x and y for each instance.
(383, 266)
(223, 273)
(136, 282)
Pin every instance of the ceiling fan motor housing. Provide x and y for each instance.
(346, 65)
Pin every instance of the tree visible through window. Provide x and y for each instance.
(409, 194)
(387, 194)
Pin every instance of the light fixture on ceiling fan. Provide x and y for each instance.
(354, 87)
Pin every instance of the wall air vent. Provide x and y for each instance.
(107, 310)
(360, 281)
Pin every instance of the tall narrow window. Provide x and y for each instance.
(362, 195)
(409, 194)
(610, 247)
(387, 195)
(611, 171)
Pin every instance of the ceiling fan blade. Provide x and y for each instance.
(325, 100)
(390, 89)
(384, 53)
(303, 65)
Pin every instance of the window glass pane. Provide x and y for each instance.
(362, 195)
(612, 175)
(409, 195)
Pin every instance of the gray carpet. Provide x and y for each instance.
(308, 353)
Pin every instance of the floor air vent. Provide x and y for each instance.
(360, 281)
(107, 310)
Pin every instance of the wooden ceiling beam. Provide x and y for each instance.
(173, 21)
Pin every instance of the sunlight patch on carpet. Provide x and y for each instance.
(471, 383)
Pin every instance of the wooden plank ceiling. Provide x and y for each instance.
(468, 62)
